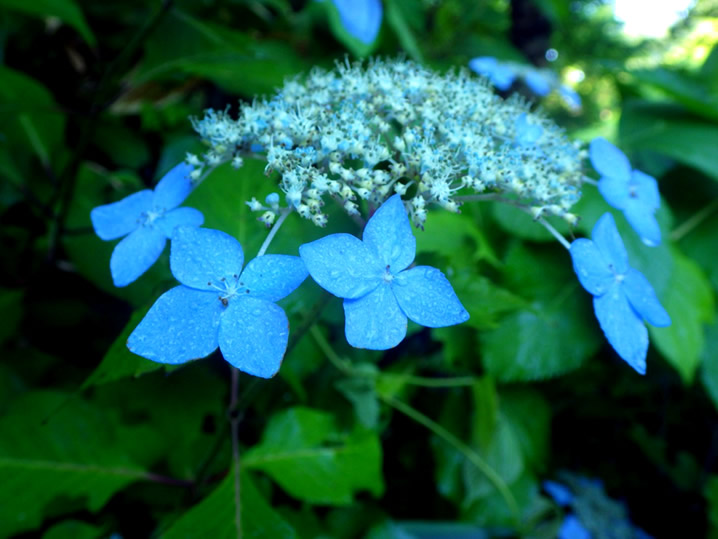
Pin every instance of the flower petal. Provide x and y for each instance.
(427, 298)
(609, 243)
(179, 217)
(561, 494)
(173, 188)
(609, 160)
(623, 328)
(388, 234)
(643, 222)
(503, 77)
(112, 221)
(643, 299)
(614, 191)
(526, 133)
(182, 325)
(135, 254)
(361, 18)
(343, 265)
(273, 277)
(538, 81)
(646, 188)
(571, 528)
(253, 336)
(592, 271)
(374, 321)
(570, 97)
(200, 257)
(483, 65)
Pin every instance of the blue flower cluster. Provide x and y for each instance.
(220, 305)
(502, 75)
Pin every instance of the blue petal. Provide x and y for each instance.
(361, 18)
(343, 265)
(643, 299)
(526, 133)
(538, 81)
(253, 336)
(388, 234)
(592, 271)
(182, 325)
(427, 298)
(643, 222)
(570, 97)
(135, 254)
(623, 328)
(609, 243)
(571, 528)
(201, 257)
(273, 277)
(609, 160)
(118, 219)
(173, 188)
(646, 189)
(614, 191)
(503, 77)
(374, 321)
(561, 494)
(483, 65)
(179, 217)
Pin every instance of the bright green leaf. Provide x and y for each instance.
(65, 10)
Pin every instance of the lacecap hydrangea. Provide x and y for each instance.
(393, 126)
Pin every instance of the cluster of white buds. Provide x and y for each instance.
(364, 132)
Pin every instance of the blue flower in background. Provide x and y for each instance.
(379, 292)
(218, 304)
(622, 296)
(361, 18)
(561, 494)
(631, 191)
(500, 74)
(147, 218)
(571, 528)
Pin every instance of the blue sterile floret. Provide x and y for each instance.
(561, 494)
(631, 191)
(361, 18)
(622, 297)
(218, 304)
(147, 219)
(571, 528)
(379, 292)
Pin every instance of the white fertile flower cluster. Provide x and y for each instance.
(368, 131)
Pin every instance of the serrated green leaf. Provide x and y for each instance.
(294, 452)
(65, 10)
(215, 516)
(688, 298)
(53, 444)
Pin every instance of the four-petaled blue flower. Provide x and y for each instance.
(147, 218)
(361, 18)
(218, 304)
(501, 75)
(622, 296)
(631, 191)
(379, 292)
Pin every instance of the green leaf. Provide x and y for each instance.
(119, 362)
(65, 10)
(688, 298)
(235, 61)
(215, 516)
(709, 363)
(397, 13)
(54, 444)
(73, 529)
(710, 493)
(294, 452)
(485, 301)
(670, 131)
(701, 244)
(521, 224)
(11, 311)
(361, 392)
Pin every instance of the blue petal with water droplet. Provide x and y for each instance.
(173, 188)
(343, 265)
(609, 243)
(427, 298)
(592, 271)
(375, 320)
(609, 160)
(273, 277)
(200, 256)
(643, 299)
(112, 221)
(179, 217)
(135, 254)
(388, 234)
(253, 336)
(182, 325)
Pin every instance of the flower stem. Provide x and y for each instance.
(555, 233)
(694, 221)
(273, 232)
(586, 179)
(471, 455)
(234, 428)
(424, 381)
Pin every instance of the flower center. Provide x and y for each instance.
(388, 276)
(151, 216)
(228, 288)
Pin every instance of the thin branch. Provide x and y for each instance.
(273, 232)
(234, 428)
(693, 221)
(555, 233)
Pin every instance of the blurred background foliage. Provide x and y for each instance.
(448, 435)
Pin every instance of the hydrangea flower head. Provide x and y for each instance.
(622, 297)
(631, 191)
(219, 304)
(361, 18)
(146, 219)
(379, 292)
